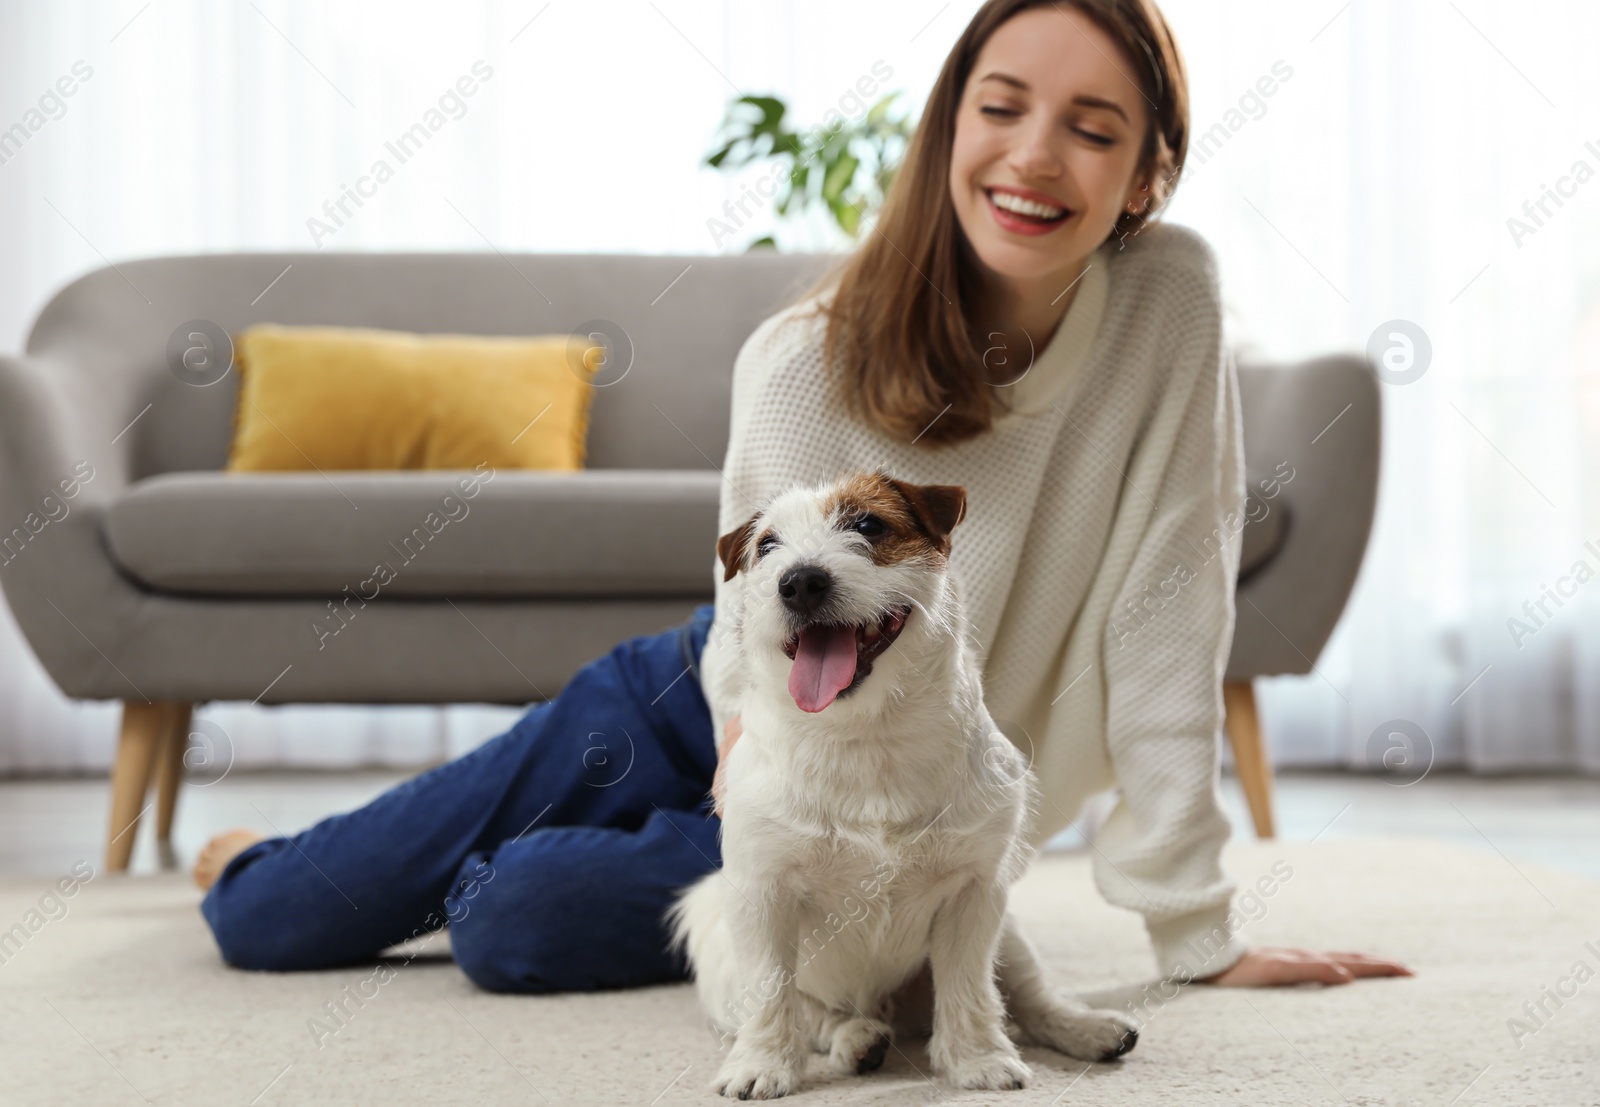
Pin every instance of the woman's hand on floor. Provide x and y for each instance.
(719, 784)
(1275, 965)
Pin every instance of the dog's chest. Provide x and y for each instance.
(869, 899)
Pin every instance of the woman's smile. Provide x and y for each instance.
(1023, 211)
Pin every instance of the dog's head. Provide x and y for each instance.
(835, 574)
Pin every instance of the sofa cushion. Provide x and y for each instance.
(445, 533)
(359, 398)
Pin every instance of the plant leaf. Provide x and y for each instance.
(880, 110)
(772, 110)
(847, 215)
(839, 176)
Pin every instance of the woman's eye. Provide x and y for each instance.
(990, 109)
(870, 526)
(1097, 139)
(767, 544)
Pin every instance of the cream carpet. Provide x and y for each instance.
(122, 1000)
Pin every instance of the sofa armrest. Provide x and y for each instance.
(1315, 431)
(46, 455)
(57, 478)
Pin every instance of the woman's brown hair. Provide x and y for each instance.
(900, 321)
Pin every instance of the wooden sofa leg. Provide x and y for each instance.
(1249, 752)
(144, 726)
(169, 767)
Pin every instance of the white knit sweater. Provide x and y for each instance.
(1097, 560)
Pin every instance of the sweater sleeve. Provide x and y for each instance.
(1166, 649)
(742, 492)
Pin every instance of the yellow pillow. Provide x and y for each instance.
(347, 398)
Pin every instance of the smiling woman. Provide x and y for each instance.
(1050, 127)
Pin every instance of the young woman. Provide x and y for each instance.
(1014, 323)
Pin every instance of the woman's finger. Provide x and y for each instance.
(1320, 970)
(1363, 965)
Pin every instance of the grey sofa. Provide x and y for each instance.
(140, 572)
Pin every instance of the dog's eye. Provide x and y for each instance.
(768, 543)
(870, 526)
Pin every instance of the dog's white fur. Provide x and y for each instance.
(865, 840)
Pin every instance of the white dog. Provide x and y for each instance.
(874, 816)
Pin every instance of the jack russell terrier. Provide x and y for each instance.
(874, 815)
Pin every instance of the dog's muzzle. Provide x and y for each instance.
(832, 659)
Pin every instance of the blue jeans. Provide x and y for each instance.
(551, 851)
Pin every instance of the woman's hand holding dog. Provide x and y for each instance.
(719, 781)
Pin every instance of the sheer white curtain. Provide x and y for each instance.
(1376, 183)
(1372, 182)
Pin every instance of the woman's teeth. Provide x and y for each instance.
(1029, 208)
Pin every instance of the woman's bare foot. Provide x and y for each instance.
(219, 851)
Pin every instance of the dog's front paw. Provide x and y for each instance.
(995, 1070)
(1084, 1033)
(756, 1075)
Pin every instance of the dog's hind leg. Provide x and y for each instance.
(858, 1043)
(857, 1039)
(817, 1022)
(1048, 1017)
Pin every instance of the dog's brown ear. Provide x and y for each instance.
(731, 547)
(938, 508)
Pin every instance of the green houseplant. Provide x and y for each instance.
(844, 168)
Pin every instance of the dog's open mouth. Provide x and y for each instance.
(830, 660)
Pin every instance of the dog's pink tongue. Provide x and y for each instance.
(824, 665)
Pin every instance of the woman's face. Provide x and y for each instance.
(1050, 116)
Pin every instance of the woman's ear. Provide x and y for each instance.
(731, 547)
(1137, 201)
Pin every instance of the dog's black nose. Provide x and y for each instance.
(804, 589)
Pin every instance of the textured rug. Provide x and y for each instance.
(116, 996)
